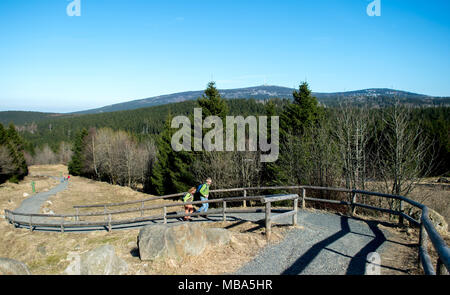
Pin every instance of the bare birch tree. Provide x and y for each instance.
(352, 133)
(402, 148)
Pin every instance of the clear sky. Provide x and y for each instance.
(121, 50)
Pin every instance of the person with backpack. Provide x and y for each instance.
(203, 192)
(188, 197)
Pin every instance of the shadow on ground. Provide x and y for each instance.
(357, 265)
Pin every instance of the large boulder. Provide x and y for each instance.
(177, 241)
(13, 267)
(162, 241)
(218, 236)
(100, 261)
(438, 221)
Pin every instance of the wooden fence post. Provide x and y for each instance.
(245, 201)
(423, 240)
(303, 198)
(224, 208)
(165, 215)
(77, 218)
(109, 223)
(353, 204)
(62, 224)
(142, 209)
(400, 217)
(268, 221)
(294, 217)
(31, 223)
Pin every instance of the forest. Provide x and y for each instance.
(343, 146)
(13, 166)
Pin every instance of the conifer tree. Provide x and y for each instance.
(212, 103)
(298, 116)
(77, 163)
(13, 145)
(170, 173)
(302, 113)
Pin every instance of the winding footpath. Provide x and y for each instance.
(33, 204)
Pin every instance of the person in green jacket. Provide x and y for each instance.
(204, 194)
(189, 197)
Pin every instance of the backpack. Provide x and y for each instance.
(197, 192)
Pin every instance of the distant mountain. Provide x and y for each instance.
(376, 97)
(372, 97)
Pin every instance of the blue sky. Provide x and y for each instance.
(121, 50)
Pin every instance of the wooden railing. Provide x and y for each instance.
(427, 230)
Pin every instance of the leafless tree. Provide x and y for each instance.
(117, 156)
(45, 155)
(351, 129)
(64, 153)
(402, 150)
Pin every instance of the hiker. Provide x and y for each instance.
(203, 191)
(189, 197)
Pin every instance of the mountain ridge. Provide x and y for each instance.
(260, 92)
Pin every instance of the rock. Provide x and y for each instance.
(100, 261)
(25, 195)
(443, 180)
(49, 202)
(164, 241)
(218, 236)
(438, 221)
(13, 267)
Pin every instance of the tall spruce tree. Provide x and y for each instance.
(302, 113)
(77, 162)
(170, 173)
(298, 116)
(14, 145)
(212, 103)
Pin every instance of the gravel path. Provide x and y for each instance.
(33, 203)
(324, 244)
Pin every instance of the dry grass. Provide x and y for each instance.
(83, 191)
(436, 197)
(51, 253)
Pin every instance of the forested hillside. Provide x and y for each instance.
(13, 166)
(140, 122)
(344, 146)
(319, 145)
